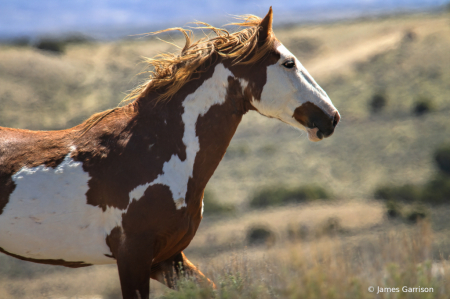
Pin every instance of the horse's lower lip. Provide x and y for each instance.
(319, 134)
(314, 134)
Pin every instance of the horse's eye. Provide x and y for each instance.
(289, 64)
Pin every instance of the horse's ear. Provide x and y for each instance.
(266, 26)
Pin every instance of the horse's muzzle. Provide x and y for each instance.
(318, 124)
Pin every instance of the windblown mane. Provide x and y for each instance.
(170, 71)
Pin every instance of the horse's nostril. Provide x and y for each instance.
(336, 119)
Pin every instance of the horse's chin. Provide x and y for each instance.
(314, 135)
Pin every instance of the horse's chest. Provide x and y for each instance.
(47, 216)
(177, 237)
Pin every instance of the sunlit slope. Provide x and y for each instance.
(403, 57)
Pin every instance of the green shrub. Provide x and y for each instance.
(51, 44)
(77, 38)
(213, 207)
(442, 158)
(393, 209)
(406, 193)
(417, 213)
(278, 196)
(412, 213)
(378, 102)
(437, 190)
(260, 235)
(58, 45)
(422, 106)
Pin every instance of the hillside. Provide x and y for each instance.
(39, 90)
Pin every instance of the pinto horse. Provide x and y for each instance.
(126, 186)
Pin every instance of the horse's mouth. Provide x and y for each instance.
(318, 124)
(314, 134)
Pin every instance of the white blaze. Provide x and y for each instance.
(286, 89)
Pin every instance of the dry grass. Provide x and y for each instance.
(87, 283)
(330, 267)
(366, 250)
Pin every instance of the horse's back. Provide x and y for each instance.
(25, 147)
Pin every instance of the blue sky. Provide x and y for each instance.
(103, 18)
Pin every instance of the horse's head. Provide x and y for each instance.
(289, 93)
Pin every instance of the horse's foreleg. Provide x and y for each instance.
(166, 272)
(134, 260)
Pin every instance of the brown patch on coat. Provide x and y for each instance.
(58, 262)
(155, 214)
(311, 116)
(157, 136)
(215, 130)
(255, 75)
(129, 151)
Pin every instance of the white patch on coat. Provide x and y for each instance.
(244, 84)
(286, 89)
(176, 173)
(47, 216)
(203, 204)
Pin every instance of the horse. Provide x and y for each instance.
(126, 186)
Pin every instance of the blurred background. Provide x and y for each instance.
(284, 217)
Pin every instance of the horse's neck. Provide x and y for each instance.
(200, 119)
